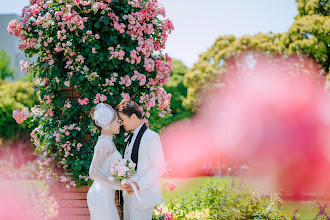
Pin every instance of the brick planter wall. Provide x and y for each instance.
(73, 204)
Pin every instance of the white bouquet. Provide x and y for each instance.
(123, 170)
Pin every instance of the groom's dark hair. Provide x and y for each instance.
(128, 108)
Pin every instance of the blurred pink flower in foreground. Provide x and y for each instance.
(272, 116)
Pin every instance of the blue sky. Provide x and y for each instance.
(198, 23)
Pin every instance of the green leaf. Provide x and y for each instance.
(97, 25)
(97, 46)
(81, 77)
(106, 21)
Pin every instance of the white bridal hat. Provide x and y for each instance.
(103, 114)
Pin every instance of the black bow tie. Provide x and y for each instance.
(130, 138)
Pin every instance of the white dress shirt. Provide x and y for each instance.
(129, 148)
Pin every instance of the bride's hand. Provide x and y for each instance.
(122, 187)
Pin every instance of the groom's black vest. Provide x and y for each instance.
(136, 146)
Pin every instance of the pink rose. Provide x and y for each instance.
(64, 179)
(50, 112)
(47, 161)
(103, 98)
(168, 216)
(83, 101)
(125, 96)
(68, 105)
(14, 27)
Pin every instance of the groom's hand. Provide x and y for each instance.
(129, 188)
(136, 185)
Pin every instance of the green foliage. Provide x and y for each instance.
(14, 95)
(6, 70)
(178, 90)
(308, 35)
(225, 200)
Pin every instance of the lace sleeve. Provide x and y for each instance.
(102, 150)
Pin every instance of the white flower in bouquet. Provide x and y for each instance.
(122, 169)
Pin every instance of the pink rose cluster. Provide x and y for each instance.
(135, 58)
(125, 95)
(65, 131)
(25, 65)
(50, 112)
(168, 216)
(67, 180)
(120, 27)
(83, 101)
(164, 70)
(68, 104)
(117, 52)
(34, 10)
(149, 100)
(170, 185)
(34, 137)
(126, 80)
(99, 97)
(21, 116)
(47, 98)
(14, 27)
(111, 81)
(164, 99)
(139, 76)
(70, 18)
(99, 5)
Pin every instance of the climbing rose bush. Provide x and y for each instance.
(106, 50)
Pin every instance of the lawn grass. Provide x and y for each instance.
(184, 188)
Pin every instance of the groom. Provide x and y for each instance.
(145, 149)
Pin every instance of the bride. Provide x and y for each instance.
(101, 195)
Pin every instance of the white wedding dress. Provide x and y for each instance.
(101, 195)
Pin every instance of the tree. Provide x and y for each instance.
(178, 91)
(6, 70)
(308, 35)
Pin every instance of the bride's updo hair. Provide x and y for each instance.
(91, 113)
(105, 115)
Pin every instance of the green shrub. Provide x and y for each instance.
(178, 90)
(225, 200)
(6, 70)
(14, 95)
